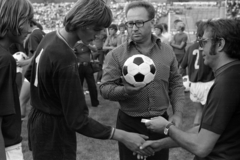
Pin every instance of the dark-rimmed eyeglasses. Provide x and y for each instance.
(138, 24)
(203, 42)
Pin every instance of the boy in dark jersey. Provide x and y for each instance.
(31, 45)
(15, 16)
(201, 76)
(217, 137)
(59, 109)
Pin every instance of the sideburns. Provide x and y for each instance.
(213, 49)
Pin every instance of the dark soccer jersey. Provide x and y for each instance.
(197, 70)
(56, 87)
(9, 101)
(34, 40)
(221, 113)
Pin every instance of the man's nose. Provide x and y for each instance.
(135, 27)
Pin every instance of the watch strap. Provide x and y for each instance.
(167, 128)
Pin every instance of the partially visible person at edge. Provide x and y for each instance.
(84, 56)
(59, 108)
(217, 137)
(165, 91)
(179, 41)
(15, 16)
(200, 75)
(112, 38)
(122, 36)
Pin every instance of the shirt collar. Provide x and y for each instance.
(226, 66)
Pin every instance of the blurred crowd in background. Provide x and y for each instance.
(233, 8)
(50, 15)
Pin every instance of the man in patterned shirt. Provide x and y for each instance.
(152, 100)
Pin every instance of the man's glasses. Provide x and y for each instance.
(203, 42)
(138, 24)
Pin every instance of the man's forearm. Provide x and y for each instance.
(186, 140)
(167, 143)
(170, 143)
(112, 92)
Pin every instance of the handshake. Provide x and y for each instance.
(139, 144)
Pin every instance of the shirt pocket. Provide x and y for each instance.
(163, 72)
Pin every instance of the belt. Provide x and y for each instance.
(84, 63)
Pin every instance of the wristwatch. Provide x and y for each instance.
(166, 129)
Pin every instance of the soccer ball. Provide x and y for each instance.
(19, 56)
(139, 70)
(186, 83)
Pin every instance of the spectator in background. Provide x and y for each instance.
(112, 38)
(31, 42)
(166, 33)
(34, 38)
(158, 29)
(84, 56)
(15, 16)
(175, 22)
(122, 36)
(179, 41)
(100, 53)
(200, 75)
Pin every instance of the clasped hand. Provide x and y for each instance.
(157, 124)
(133, 141)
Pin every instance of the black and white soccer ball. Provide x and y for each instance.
(139, 70)
(18, 56)
(186, 83)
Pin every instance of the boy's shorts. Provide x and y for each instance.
(199, 91)
(50, 138)
(14, 152)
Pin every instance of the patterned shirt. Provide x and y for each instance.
(153, 100)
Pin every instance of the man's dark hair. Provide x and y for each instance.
(200, 28)
(227, 29)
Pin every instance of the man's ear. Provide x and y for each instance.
(221, 44)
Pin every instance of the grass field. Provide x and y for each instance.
(106, 113)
